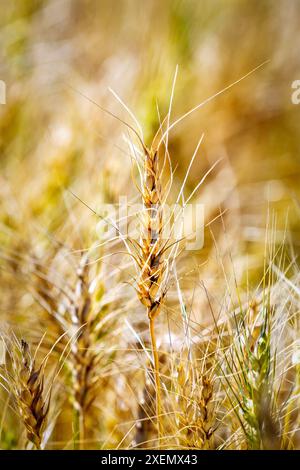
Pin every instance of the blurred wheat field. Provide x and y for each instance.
(111, 342)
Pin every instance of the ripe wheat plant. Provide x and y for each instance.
(83, 315)
(155, 254)
(230, 382)
(256, 365)
(25, 384)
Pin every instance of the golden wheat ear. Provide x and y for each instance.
(79, 315)
(25, 383)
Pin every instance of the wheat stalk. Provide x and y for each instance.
(76, 317)
(83, 353)
(150, 258)
(146, 408)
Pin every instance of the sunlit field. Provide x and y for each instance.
(149, 224)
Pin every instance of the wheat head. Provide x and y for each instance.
(27, 387)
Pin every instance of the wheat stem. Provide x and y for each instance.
(156, 376)
(81, 429)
